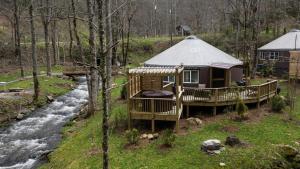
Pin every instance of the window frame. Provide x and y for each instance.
(274, 55)
(190, 78)
(168, 81)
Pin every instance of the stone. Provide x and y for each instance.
(144, 136)
(212, 146)
(232, 141)
(50, 99)
(194, 121)
(150, 136)
(198, 121)
(222, 164)
(20, 116)
(288, 151)
(155, 135)
(297, 158)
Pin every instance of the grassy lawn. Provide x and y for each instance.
(6, 77)
(81, 146)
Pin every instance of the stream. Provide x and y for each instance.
(23, 144)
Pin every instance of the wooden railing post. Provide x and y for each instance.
(153, 116)
(269, 91)
(128, 100)
(216, 101)
(258, 97)
(177, 99)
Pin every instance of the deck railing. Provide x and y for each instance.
(230, 94)
(162, 106)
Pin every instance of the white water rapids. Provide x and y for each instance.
(24, 143)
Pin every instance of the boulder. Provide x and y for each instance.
(20, 116)
(144, 136)
(155, 135)
(288, 151)
(212, 146)
(194, 121)
(150, 136)
(50, 99)
(232, 141)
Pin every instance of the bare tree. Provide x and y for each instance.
(105, 87)
(75, 29)
(34, 59)
(70, 36)
(92, 78)
(18, 37)
(45, 16)
(54, 34)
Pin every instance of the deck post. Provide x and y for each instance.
(258, 97)
(269, 90)
(177, 99)
(128, 99)
(216, 101)
(188, 110)
(215, 110)
(177, 126)
(153, 116)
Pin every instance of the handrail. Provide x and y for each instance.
(238, 87)
(167, 85)
(215, 95)
(143, 98)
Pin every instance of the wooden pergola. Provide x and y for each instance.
(143, 79)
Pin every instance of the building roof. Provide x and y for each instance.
(194, 52)
(155, 70)
(287, 42)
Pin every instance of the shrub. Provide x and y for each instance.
(168, 138)
(132, 136)
(241, 108)
(277, 103)
(124, 92)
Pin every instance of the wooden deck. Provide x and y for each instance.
(214, 97)
(168, 110)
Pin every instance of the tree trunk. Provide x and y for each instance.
(93, 76)
(46, 21)
(127, 41)
(78, 41)
(17, 37)
(115, 34)
(108, 30)
(34, 59)
(71, 39)
(105, 79)
(53, 40)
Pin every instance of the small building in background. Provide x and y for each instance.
(277, 53)
(183, 30)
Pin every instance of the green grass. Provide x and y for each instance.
(53, 86)
(48, 85)
(81, 146)
(6, 77)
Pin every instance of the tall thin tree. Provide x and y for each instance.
(34, 59)
(75, 29)
(92, 78)
(18, 37)
(45, 16)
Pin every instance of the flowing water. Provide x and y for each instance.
(23, 144)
